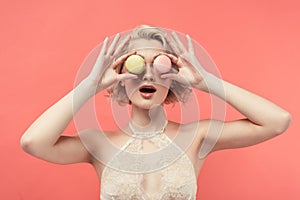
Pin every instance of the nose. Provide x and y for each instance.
(148, 76)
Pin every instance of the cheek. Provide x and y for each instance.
(131, 86)
(164, 82)
(163, 93)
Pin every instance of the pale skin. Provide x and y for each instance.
(263, 119)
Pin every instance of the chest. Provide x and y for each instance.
(176, 181)
(148, 169)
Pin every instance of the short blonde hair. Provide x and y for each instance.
(177, 91)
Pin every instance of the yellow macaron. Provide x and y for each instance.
(135, 64)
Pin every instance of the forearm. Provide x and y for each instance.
(46, 129)
(257, 109)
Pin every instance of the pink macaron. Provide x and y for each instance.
(162, 64)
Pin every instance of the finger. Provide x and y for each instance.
(175, 77)
(126, 76)
(103, 48)
(112, 47)
(179, 43)
(122, 44)
(190, 44)
(97, 67)
(121, 59)
(172, 43)
(173, 58)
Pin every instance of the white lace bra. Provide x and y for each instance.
(152, 168)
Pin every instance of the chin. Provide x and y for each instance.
(145, 104)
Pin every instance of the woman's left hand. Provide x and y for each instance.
(190, 72)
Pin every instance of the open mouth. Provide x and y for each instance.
(147, 89)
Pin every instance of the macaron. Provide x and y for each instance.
(162, 64)
(135, 64)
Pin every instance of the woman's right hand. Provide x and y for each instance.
(104, 75)
(44, 139)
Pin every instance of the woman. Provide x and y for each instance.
(146, 70)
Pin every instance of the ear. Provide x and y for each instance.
(122, 83)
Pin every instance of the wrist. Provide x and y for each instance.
(212, 84)
(207, 82)
(85, 89)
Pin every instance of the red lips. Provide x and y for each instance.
(147, 91)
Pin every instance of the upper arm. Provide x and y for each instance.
(67, 150)
(236, 134)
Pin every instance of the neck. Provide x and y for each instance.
(150, 119)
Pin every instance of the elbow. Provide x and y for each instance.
(282, 123)
(26, 143)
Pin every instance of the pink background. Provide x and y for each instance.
(255, 44)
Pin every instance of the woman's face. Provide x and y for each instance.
(149, 88)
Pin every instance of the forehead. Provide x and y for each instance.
(145, 44)
(145, 47)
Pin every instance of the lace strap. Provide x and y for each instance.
(146, 134)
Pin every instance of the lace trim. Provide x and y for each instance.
(146, 134)
(178, 180)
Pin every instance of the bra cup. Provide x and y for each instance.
(176, 181)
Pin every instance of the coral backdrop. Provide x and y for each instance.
(255, 44)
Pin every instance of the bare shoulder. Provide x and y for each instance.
(97, 138)
(195, 131)
(102, 145)
(199, 127)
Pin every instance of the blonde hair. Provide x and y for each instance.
(177, 91)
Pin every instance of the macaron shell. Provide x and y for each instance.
(135, 64)
(162, 64)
